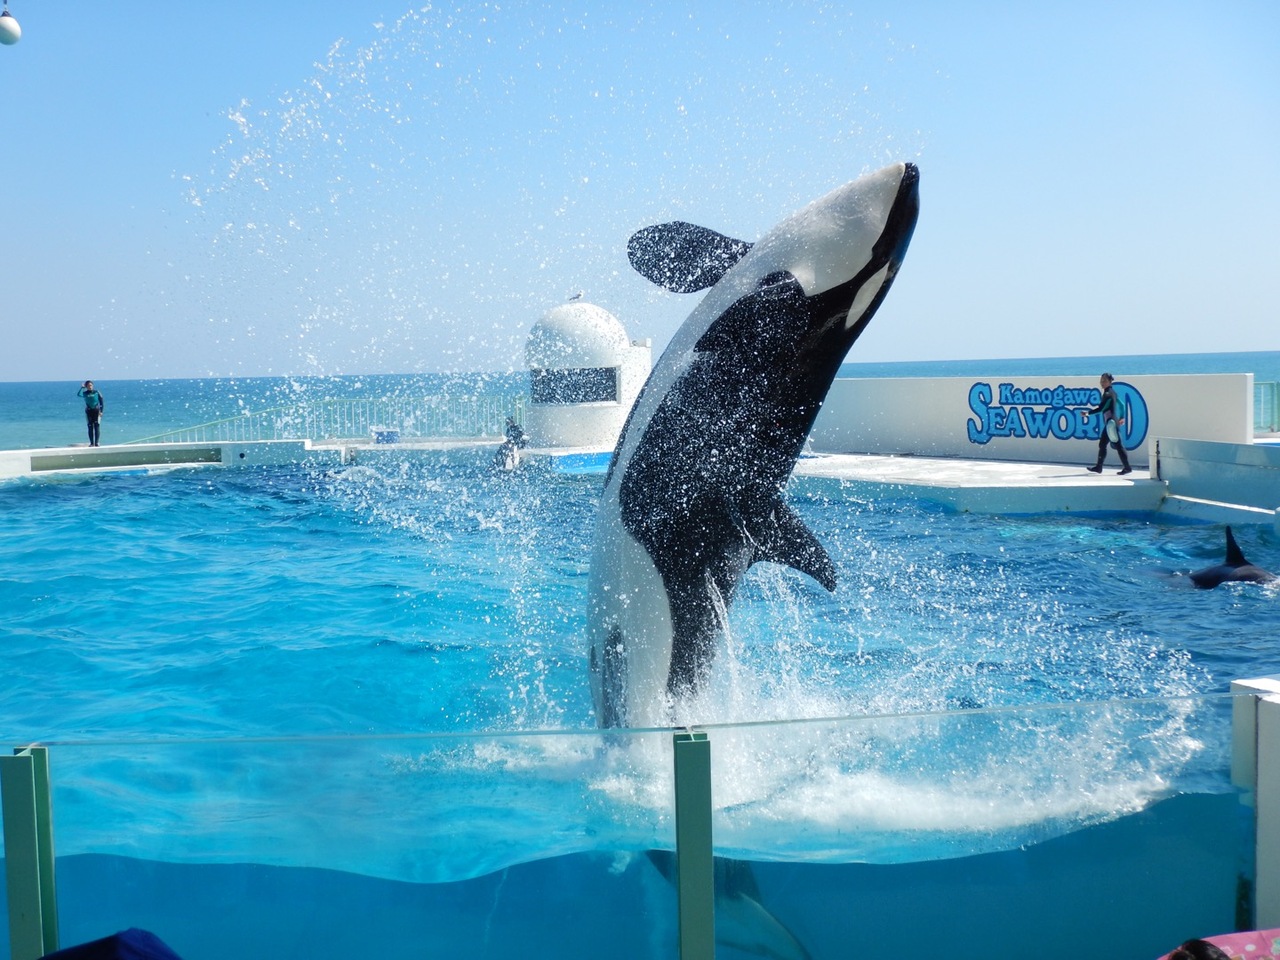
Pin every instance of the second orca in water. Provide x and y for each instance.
(1234, 569)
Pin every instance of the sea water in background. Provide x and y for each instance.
(49, 414)
(45, 414)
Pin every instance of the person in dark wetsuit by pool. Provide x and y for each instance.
(1109, 409)
(515, 433)
(94, 407)
(507, 458)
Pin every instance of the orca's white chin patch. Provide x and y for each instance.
(866, 296)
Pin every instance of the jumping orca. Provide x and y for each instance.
(1235, 569)
(693, 494)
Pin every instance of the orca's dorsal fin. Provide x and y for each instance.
(782, 537)
(1234, 557)
(683, 257)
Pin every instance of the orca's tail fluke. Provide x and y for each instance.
(742, 921)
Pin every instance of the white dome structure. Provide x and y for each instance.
(576, 335)
(584, 375)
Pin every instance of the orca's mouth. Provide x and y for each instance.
(902, 218)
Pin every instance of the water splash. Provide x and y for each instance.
(425, 195)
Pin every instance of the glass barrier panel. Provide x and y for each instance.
(521, 845)
(1105, 829)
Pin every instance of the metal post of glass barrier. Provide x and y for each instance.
(1255, 734)
(1267, 815)
(695, 875)
(28, 852)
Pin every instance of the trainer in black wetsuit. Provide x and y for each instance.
(1107, 407)
(94, 407)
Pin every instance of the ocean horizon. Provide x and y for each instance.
(47, 413)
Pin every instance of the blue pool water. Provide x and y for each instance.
(435, 596)
(167, 629)
(1044, 901)
(431, 594)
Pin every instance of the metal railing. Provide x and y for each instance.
(1266, 407)
(475, 417)
(386, 418)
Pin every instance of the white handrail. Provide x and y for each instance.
(476, 417)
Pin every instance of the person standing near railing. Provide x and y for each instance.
(515, 433)
(94, 407)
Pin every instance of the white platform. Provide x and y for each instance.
(994, 486)
(968, 486)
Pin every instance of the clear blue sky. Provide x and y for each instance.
(244, 188)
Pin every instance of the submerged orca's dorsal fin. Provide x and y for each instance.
(1235, 558)
(782, 537)
(683, 257)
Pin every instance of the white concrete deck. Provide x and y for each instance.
(136, 457)
(153, 457)
(995, 486)
(968, 486)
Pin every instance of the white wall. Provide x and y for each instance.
(592, 425)
(1223, 472)
(996, 418)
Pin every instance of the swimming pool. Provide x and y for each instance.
(430, 595)
(205, 642)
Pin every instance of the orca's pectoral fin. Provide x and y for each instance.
(742, 921)
(783, 538)
(683, 257)
(665, 861)
(1235, 557)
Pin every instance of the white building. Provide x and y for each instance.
(584, 375)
